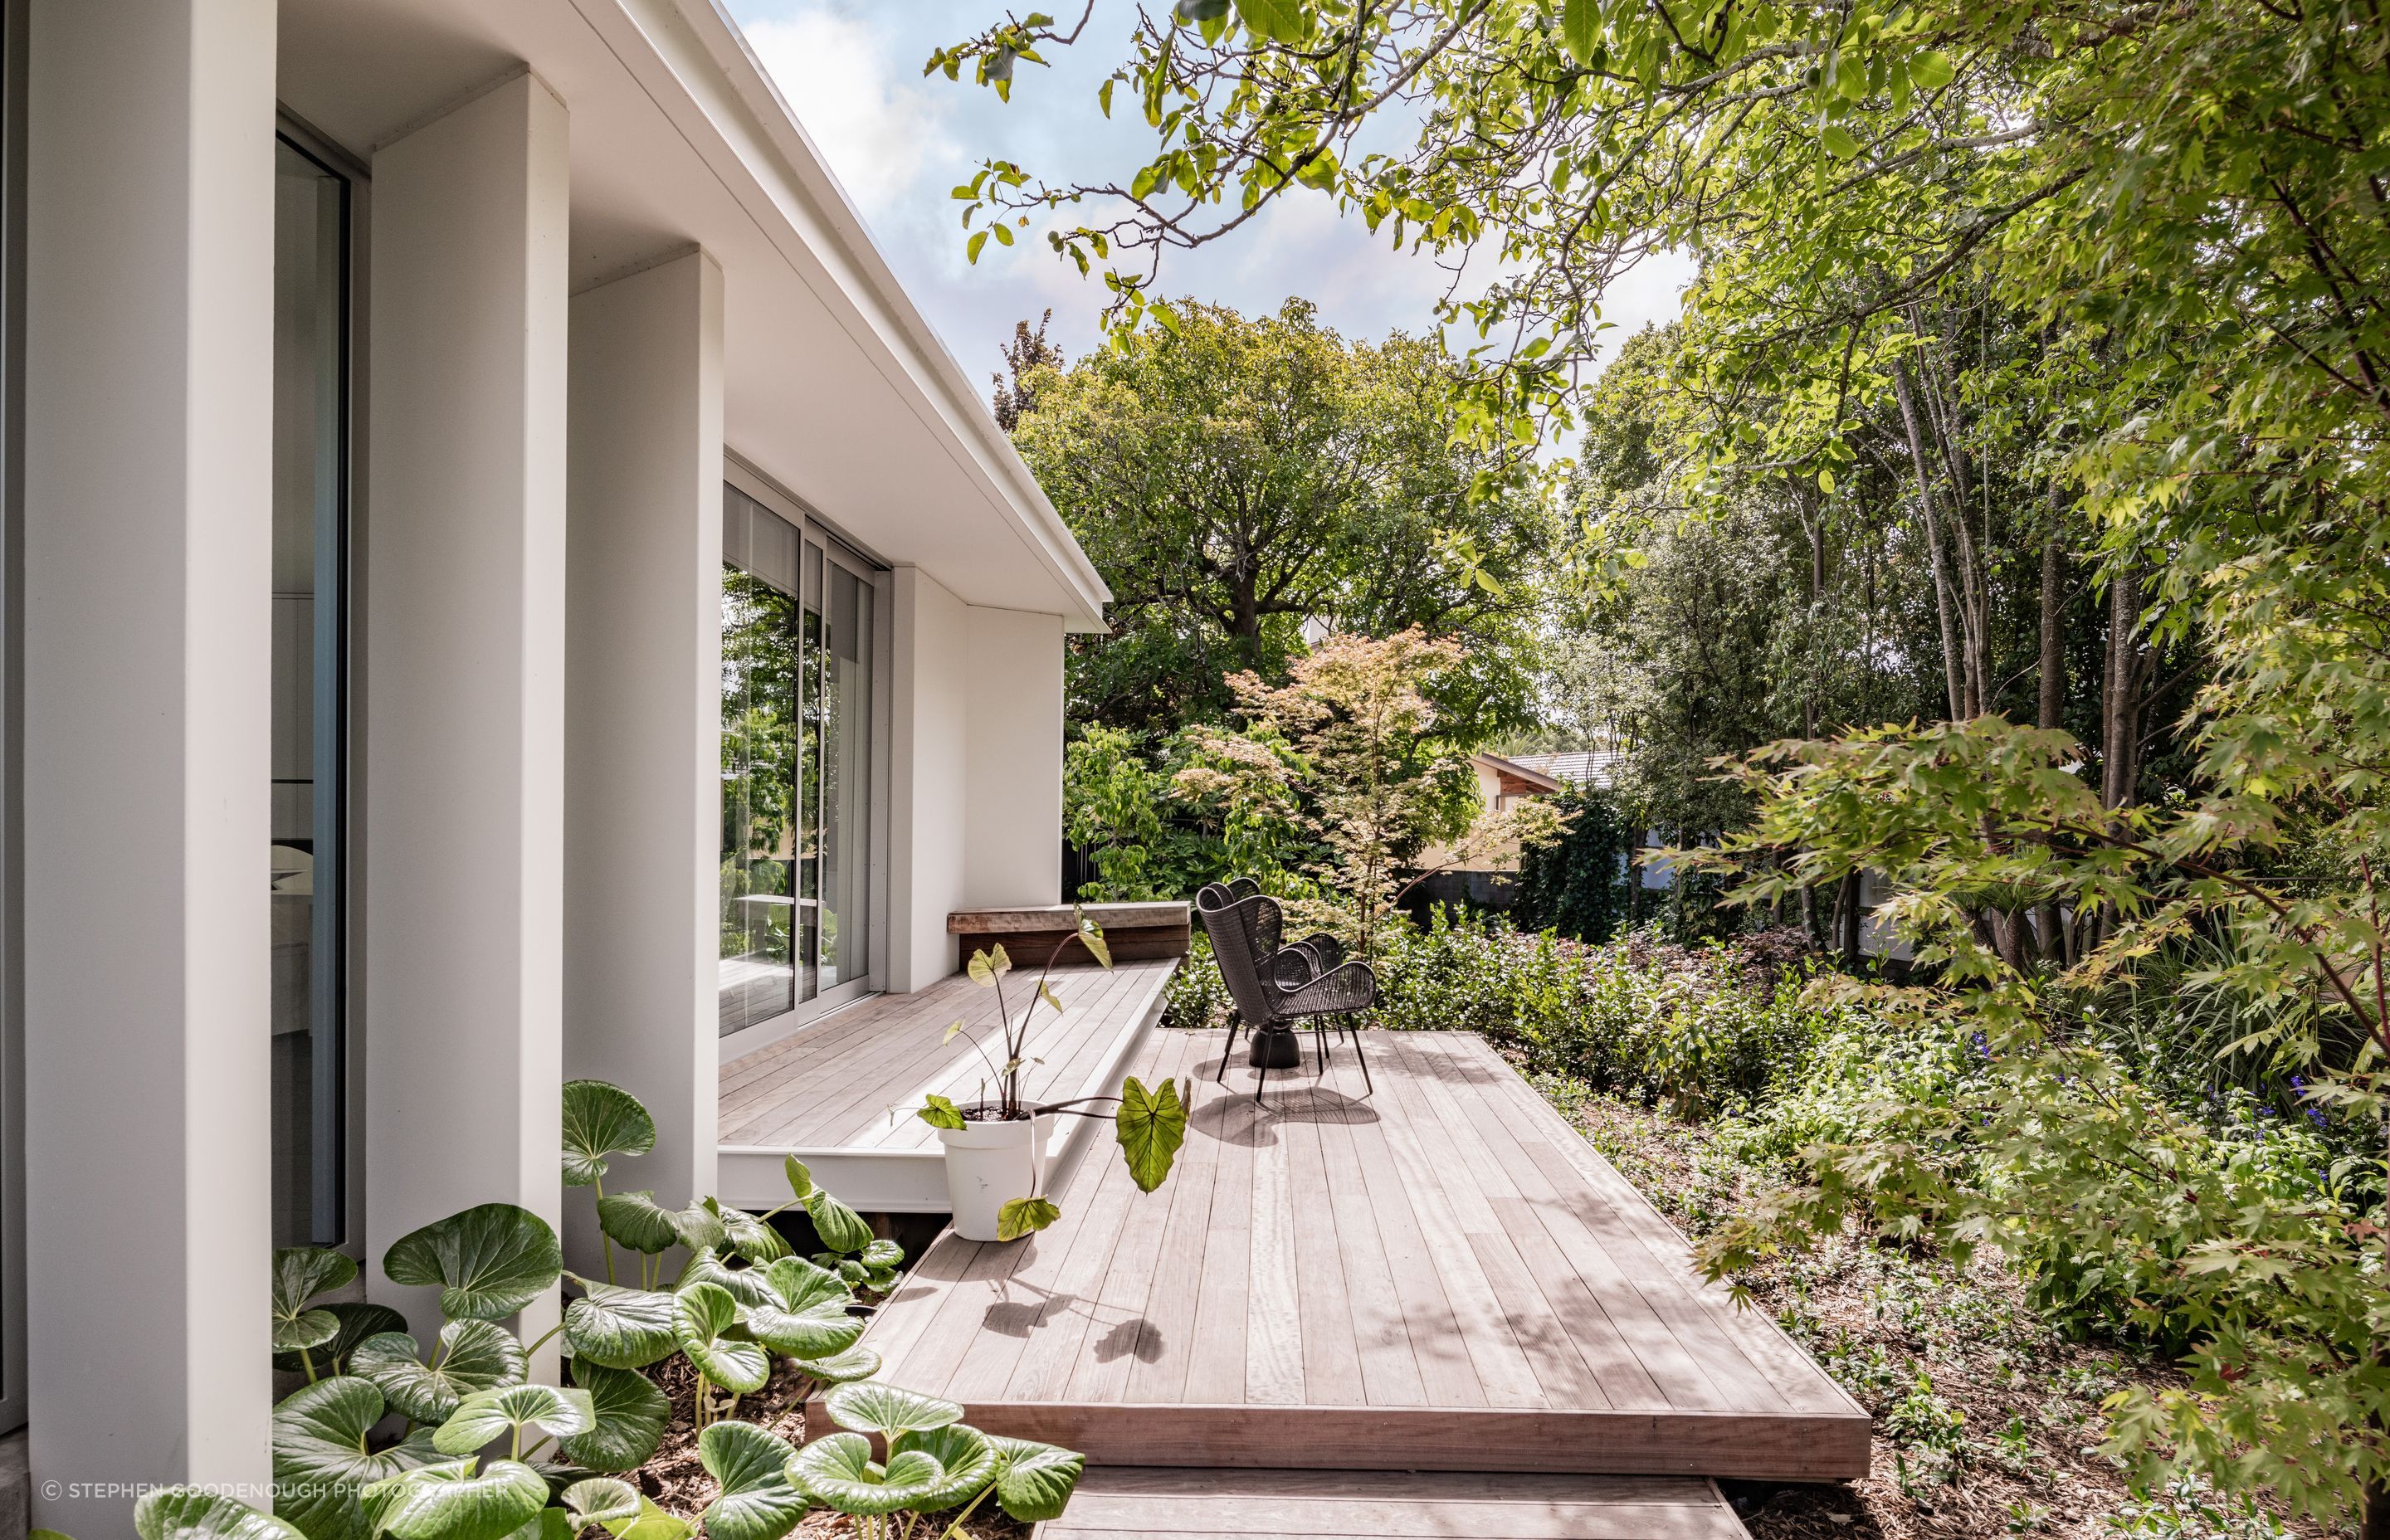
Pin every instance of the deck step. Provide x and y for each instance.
(1149, 1503)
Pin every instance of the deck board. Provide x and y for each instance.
(830, 1085)
(1118, 1503)
(1440, 1276)
(835, 1093)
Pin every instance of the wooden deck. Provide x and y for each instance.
(825, 1092)
(1442, 1277)
(1147, 1503)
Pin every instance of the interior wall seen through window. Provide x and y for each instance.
(310, 506)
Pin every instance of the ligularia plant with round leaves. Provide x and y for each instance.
(484, 1453)
(935, 1464)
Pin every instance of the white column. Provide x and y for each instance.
(643, 718)
(1013, 814)
(148, 493)
(928, 778)
(464, 665)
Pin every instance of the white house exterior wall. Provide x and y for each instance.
(145, 496)
(549, 385)
(930, 745)
(643, 723)
(463, 656)
(1013, 756)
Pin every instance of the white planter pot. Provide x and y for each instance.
(988, 1165)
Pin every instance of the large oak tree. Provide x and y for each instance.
(1236, 478)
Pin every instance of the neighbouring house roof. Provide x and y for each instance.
(1576, 766)
(1516, 777)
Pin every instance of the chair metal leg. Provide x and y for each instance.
(1260, 1084)
(1235, 1026)
(1368, 1086)
(1319, 1051)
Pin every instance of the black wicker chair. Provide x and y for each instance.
(1290, 963)
(1276, 986)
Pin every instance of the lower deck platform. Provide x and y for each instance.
(1440, 1276)
(839, 1094)
(1147, 1503)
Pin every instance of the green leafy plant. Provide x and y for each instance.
(740, 1300)
(1149, 1124)
(935, 1464)
(602, 1121)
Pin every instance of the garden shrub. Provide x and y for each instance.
(1702, 1028)
(1730, 1030)
(1196, 996)
(1577, 885)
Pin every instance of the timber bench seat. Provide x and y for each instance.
(1441, 1276)
(1132, 932)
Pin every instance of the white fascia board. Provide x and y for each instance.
(797, 203)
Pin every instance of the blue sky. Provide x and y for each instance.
(852, 69)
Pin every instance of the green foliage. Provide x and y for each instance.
(2134, 260)
(1150, 1126)
(1114, 802)
(1196, 997)
(1577, 885)
(340, 1476)
(749, 1465)
(188, 1513)
(487, 1262)
(1234, 477)
(1702, 1029)
(629, 1415)
(1354, 753)
(2197, 1225)
(935, 1463)
(300, 1273)
(358, 1322)
(1019, 1218)
(324, 1460)
(601, 1121)
(472, 1356)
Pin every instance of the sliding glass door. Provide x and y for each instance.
(800, 678)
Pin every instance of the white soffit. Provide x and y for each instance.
(834, 384)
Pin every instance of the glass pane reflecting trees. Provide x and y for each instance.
(797, 766)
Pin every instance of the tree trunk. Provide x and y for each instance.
(1815, 523)
(2120, 715)
(1940, 417)
(2053, 652)
(2048, 945)
(2377, 1513)
(1953, 650)
(1245, 612)
(1853, 923)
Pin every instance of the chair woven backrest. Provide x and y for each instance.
(1243, 936)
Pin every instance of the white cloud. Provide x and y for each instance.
(882, 129)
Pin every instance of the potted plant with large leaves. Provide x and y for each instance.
(996, 1148)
